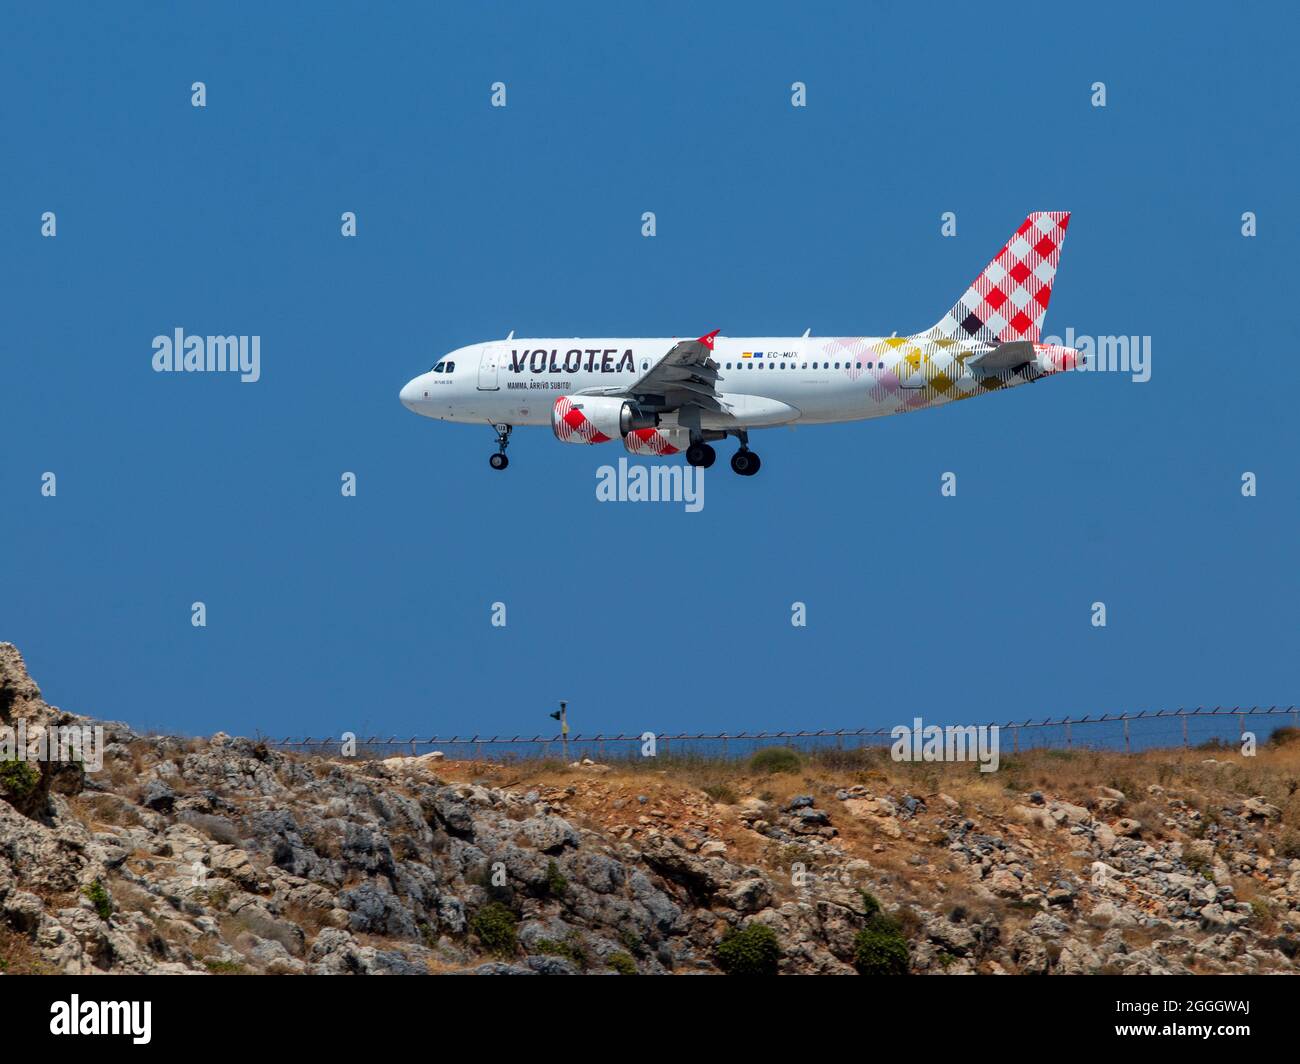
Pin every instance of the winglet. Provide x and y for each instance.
(707, 341)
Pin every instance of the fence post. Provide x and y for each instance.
(1015, 739)
(1069, 743)
(1184, 731)
(1126, 743)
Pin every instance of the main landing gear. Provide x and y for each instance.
(499, 460)
(700, 454)
(745, 462)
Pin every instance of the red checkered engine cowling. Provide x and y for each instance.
(657, 441)
(590, 419)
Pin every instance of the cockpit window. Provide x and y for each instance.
(444, 367)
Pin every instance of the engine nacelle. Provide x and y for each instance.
(595, 418)
(657, 441)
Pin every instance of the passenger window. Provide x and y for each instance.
(804, 366)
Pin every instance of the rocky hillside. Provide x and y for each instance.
(225, 856)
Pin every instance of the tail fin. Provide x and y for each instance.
(1008, 300)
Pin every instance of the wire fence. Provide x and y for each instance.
(1130, 732)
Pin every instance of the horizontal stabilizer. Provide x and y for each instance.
(1003, 358)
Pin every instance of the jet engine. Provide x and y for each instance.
(657, 441)
(595, 418)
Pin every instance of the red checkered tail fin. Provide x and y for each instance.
(1007, 301)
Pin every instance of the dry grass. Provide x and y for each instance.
(19, 957)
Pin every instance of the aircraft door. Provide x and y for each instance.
(487, 369)
(911, 367)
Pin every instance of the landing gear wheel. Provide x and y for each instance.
(745, 462)
(499, 460)
(700, 454)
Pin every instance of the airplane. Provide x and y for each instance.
(662, 397)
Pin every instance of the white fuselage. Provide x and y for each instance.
(763, 381)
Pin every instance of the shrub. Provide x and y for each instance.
(217, 828)
(1284, 736)
(621, 963)
(220, 967)
(556, 884)
(1289, 845)
(571, 948)
(99, 898)
(752, 951)
(880, 948)
(18, 779)
(775, 759)
(721, 792)
(495, 926)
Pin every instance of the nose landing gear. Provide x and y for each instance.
(499, 460)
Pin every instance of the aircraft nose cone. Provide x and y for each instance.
(410, 394)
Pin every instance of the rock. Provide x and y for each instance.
(1031, 815)
(1108, 914)
(749, 895)
(1258, 809)
(546, 965)
(193, 855)
(1004, 883)
(1068, 813)
(549, 834)
(860, 807)
(158, 796)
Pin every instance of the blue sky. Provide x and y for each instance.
(372, 614)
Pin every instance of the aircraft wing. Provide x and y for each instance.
(686, 376)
